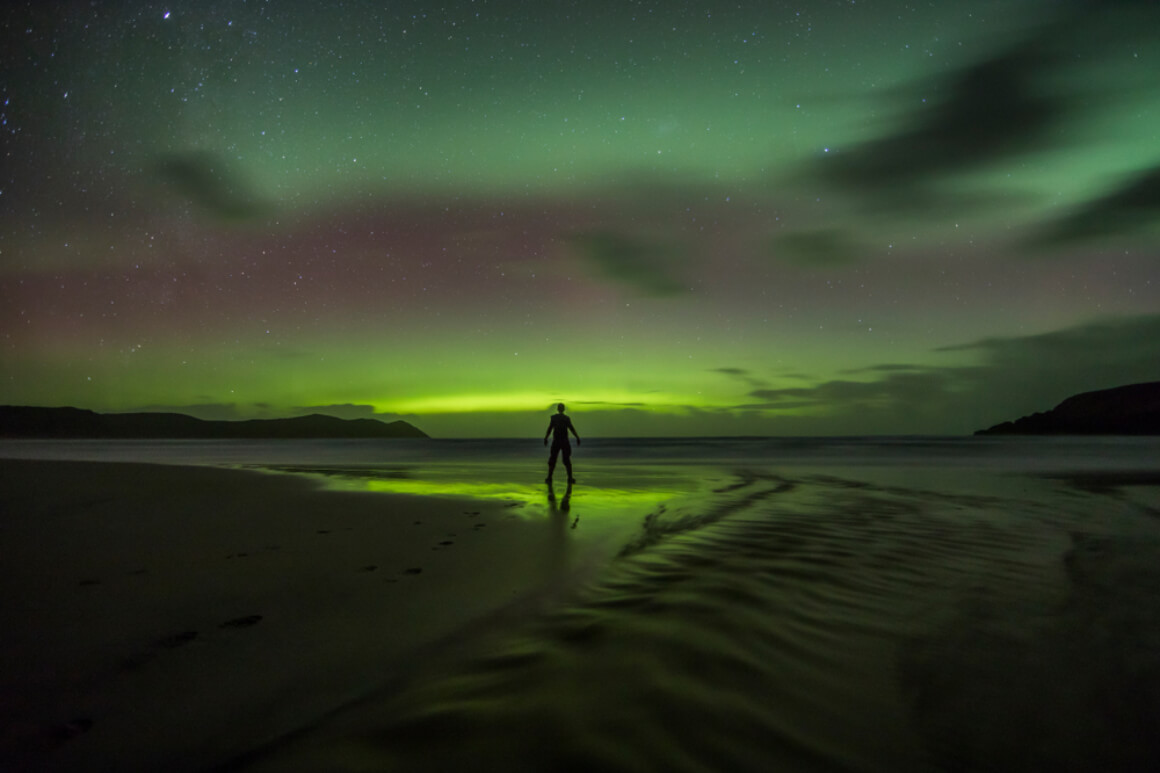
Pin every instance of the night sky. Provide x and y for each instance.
(823, 217)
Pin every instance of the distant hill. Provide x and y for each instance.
(34, 422)
(1126, 410)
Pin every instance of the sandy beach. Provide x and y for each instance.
(162, 617)
(198, 618)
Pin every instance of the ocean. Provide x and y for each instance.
(801, 604)
(1013, 453)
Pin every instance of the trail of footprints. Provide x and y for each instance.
(52, 734)
(182, 638)
(65, 731)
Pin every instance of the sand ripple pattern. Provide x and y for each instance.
(806, 624)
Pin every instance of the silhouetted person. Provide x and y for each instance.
(558, 427)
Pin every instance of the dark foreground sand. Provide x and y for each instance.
(888, 619)
(172, 618)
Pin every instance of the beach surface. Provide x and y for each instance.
(663, 617)
(161, 617)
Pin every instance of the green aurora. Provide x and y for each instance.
(752, 219)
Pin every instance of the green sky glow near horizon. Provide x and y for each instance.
(766, 218)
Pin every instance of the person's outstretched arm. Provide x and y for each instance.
(549, 432)
(574, 432)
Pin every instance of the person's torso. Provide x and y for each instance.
(560, 423)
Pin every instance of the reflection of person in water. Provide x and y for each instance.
(558, 427)
(562, 507)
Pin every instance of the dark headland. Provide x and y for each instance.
(1126, 410)
(35, 422)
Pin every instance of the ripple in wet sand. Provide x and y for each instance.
(816, 624)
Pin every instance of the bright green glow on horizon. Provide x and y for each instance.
(523, 402)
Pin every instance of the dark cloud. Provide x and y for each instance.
(1130, 210)
(885, 368)
(1020, 375)
(341, 411)
(740, 374)
(1013, 103)
(1116, 350)
(821, 247)
(1037, 94)
(209, 411)
(347, 411)
(211, 184)
(1009, 104)
(648, 267)
(993, 109)
(895, 391)
(1012, 377)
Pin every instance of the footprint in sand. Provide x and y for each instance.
(175, 640)
(134, 662)
(415, 570)
(369, 568)
(66, 731)
(242, 622)
(30, 737)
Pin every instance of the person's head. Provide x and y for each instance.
(560, 408)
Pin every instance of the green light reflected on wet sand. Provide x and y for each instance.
(593, 502)
(618, 492)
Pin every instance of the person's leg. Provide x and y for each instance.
(552, 460)
(568, 461)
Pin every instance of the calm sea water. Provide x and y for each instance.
(1009, 453)
(861, 604)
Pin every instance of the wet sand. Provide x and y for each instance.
(812, 622)
(870, 620)
(170, 618)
